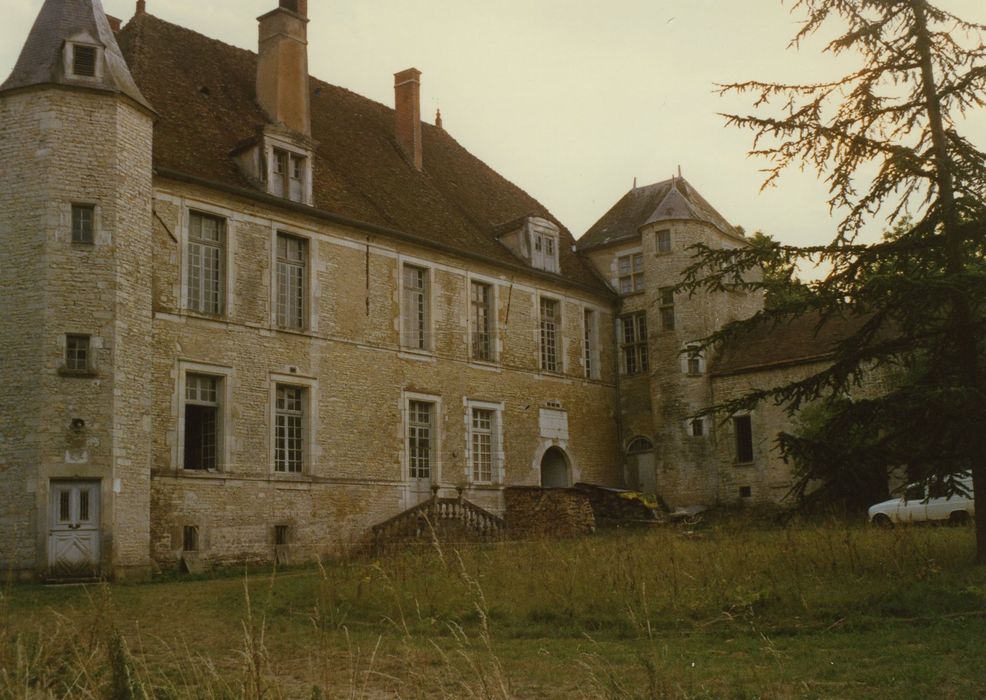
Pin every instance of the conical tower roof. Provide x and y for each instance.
(42, 60)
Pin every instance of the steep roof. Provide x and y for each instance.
(671, 200)
(204, 92)
(771, 345)
(41, 60)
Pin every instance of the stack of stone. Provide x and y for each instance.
(533, 512)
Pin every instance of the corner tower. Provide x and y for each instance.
(75, 246)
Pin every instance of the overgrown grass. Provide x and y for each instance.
(731, 610)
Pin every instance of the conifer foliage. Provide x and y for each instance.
(886, 139)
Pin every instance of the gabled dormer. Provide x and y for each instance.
(534, 240)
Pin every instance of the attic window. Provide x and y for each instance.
(84, 60)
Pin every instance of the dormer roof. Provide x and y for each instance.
(670, 200)
(42, 60)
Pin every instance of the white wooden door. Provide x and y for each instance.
(73, 535)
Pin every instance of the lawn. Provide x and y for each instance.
(735, 609)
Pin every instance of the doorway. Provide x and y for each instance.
(73, 529)
(555, 472)
(640, 473)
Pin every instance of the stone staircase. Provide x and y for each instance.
(448, 519)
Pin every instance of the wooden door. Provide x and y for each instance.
(73, 535)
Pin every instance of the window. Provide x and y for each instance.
(696, 427)
(202, 421)
(694, 362)
(746, 491)
(415, 308)
(634, 343)
(77, 353)
(663, 241)
(590, 343)
(83, 219)
(544, 246)
(549, 322)
(281, 535)
(206, 263)
(631, 273)
(420, 439)
(482, 445)
(482, 322)
(289, 175)
(667, 308)
(289, 429)
(292, 280)
(84, 60)
(743, 429)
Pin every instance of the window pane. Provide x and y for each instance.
(82, 223)
(77, 352)
(482, 322)
(415, 309)
(419, 441)
(549, 335)
(289, 429)
(206, 251)
(291, 265)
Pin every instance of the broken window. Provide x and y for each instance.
(202, 421)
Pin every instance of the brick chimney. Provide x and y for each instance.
(407, 90)
(282, 66)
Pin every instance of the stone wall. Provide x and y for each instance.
(534, 512)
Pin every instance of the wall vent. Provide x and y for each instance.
(84, 61)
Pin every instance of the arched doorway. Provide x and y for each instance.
(640, 474)
(555, 473)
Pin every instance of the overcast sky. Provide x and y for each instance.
(569, 99)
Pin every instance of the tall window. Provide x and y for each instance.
(667, 308)
(743, 430)
(202, 421)
(482, 322)
(482, 444)
(663, 241)
(420, 439)
(415, 308)
(550, 322)
(206, 263)
(83, 219)
(292, 261)
(633, 343)
(289, 429)
(631, 273)
(590, 343)
(544, 253)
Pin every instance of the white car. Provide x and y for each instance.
(920, 504)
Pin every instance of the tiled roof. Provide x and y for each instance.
(798, 341)
(41, 60)
(204, 92)
(671, 200)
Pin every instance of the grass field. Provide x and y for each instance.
(735, 609)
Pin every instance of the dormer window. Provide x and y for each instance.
(82, 60)
(290, 175)
(534, 240)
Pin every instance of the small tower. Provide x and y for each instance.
(75, 241)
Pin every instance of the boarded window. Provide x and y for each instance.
(633, 344)
(83, 218)
(420, 438)
(482, 322)
(292, 263)
(415, 308)
(550, 321)
(84, 61)
(206, 263)
(202, 413)
(743, 429)
(289, 435)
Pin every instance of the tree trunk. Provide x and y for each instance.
(960, 319)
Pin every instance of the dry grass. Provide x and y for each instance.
(735, 609)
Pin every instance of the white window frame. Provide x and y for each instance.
(494, 319)
(687, 356)
(690, 427)
(435, 460)
(310, 451)
(226, 286)
(559, 334)
(224, 426)
(310, 312)
(272, 146)
(497, 454)
(428, 337)
(547, 234)
(590, 342)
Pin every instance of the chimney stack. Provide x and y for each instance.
(282, 66)
(141, 7)
(407, 91)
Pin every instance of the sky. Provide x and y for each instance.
(569, 99)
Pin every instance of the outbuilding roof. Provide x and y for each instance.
(204, 91)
